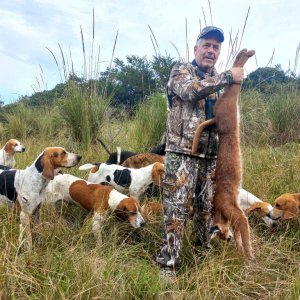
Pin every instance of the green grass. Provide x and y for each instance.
(67, 262)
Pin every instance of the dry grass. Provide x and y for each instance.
(67, 262)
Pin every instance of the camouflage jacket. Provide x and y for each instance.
(188, 93)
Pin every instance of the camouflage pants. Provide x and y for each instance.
(188, 181)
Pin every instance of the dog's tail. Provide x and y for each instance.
(118, 155)
(104, 146)
(87, 167)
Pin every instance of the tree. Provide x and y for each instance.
(162, 66)
(129, 82)
(266, 79)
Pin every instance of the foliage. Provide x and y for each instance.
(84, 112)
(24, 121)
(284, 112)
(132, 81)
(162, 66)
(269, 79)
(129, 82)
(149, 123)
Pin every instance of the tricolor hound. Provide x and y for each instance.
(126, 180)
(8, 151)
(27, 185)
(94, 197)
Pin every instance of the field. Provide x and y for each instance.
(67, 262)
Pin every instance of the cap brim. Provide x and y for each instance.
(214, 33)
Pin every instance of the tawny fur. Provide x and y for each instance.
(229, 165)
(142, 160)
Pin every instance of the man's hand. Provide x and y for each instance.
(237, 75)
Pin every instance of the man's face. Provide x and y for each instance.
(207, 53)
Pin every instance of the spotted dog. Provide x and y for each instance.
(27, 185)
(126, 180)
(94, 197)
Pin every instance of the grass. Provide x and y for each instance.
(67, 262)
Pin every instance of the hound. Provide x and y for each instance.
(27, 185)
(94, 197)
(286, 206)
(250, 203)
(8, 151)
(229, 169)
(126, 180)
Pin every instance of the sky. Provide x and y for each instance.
(34, 33)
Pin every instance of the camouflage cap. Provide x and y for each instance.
(211, 31)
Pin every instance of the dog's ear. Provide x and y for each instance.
(48, 168)
(158, 173)
(9, 147)
(120, 212)
(291, 212)
(254, 207)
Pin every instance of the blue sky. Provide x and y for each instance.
(29, 26)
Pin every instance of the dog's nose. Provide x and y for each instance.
(274, 225)
(143, 224)
(79, 157)
(23, 149)
(228, 239)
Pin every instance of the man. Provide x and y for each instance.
(193, 89)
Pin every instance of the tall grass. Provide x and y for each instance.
(270, 118)
(284, 112)
(25, 121)
(67, 262)
(150, 122)
(84, 112)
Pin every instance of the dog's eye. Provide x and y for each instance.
(16, 145)
(277, 205)
(132, 213)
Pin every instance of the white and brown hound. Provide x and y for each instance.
(126, 180)
(286, 207)
(94, 197)
(250, 203)
(8, 151)
(27, 185)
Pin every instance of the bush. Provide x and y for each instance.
(149, 123)
(83, 111)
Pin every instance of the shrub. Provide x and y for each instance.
(149, 123)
